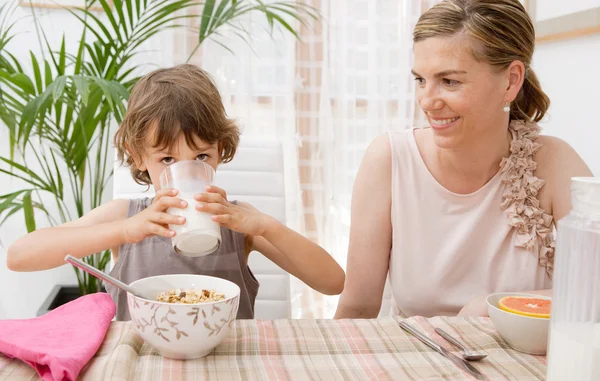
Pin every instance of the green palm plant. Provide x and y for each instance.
(59, 117)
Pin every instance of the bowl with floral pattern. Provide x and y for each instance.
(190, 320)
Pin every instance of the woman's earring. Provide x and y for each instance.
(506, 108)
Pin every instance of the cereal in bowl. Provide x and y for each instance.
(189, 296)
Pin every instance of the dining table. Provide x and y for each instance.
(309, 349)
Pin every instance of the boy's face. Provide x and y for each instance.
(154, 160)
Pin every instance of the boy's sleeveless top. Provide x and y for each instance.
(448, 248)
(155, 256)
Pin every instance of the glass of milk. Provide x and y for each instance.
(574, 350)
(199, 235)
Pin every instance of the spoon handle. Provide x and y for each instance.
(97, 273)
(451, 339)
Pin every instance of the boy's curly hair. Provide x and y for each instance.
(169, 102)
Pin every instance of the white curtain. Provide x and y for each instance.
(326, 98)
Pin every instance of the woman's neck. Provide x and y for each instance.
(466, 169)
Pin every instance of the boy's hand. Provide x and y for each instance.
(242, 218)
(154, 220)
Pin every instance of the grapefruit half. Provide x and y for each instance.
(526, 306)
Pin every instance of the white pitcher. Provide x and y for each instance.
(574, 349)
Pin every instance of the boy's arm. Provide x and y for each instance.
(300, 257)
(291, 251)
(46, 248)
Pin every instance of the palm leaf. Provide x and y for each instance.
(62, 58)
(37, 73)
(28, 211)
(6, 200)
(207, 15)
(14, 209)
(24, 173)
(22, 81)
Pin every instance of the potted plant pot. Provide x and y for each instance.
(59, 295)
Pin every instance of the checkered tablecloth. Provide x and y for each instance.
(308, 350)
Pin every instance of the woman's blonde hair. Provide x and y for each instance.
(503, 33)
(170, 102)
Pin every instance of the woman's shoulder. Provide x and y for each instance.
(392, 150)
(556, 158)
(556, 163)
(378, 156)
(552, 145)
(389, 143)
(381, 144)
(375, 168)
(402, 137)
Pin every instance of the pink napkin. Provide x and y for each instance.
(60, 343)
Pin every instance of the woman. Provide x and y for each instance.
(466, 207)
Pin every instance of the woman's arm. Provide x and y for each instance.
(370, 234)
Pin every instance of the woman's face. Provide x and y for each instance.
(462, 98)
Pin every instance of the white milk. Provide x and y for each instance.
(199, 235)
(574, 352)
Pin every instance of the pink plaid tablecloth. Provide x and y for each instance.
(308, 350)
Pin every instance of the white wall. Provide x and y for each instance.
(568, 71)
(548, 9)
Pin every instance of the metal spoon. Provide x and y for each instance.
(101, 275)
(467, 355)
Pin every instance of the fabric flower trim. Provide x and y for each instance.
(535, 228)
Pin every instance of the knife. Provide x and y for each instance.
(441, 350)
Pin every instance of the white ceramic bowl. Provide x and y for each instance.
(183, 331)
(522, 333)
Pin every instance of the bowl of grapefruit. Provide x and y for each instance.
(522, 320)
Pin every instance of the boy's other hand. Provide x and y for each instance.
(240, 217)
